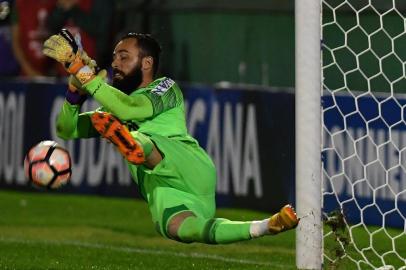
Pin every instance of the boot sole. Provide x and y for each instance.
(113, 130)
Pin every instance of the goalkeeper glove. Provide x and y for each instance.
(68, 51)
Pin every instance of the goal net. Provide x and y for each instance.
(364, 134)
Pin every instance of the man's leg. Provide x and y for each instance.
(212, 231)
(187, 227)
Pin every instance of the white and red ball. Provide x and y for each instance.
(47, 164)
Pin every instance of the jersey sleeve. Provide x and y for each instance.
(71, 124)
(164, 96)
(125, 107)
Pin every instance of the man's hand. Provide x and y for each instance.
(62, 47)
(68, 51)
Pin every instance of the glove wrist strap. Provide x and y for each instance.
(84, 74)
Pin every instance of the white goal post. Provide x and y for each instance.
(308, 135)
(351, 134)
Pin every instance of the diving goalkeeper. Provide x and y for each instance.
(145, 119)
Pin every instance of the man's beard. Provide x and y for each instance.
(129, 82)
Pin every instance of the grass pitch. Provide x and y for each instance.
(55, 231)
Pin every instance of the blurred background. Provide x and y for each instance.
(233, 59)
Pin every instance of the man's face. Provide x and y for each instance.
(127, 73)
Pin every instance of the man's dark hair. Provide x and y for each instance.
(148, 47)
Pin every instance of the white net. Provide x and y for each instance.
(364, 133)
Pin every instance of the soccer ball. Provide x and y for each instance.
(48, 164)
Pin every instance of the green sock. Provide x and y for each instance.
(213, 231)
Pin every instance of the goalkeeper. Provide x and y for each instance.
(145, 119)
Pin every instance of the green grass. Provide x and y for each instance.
(55, 231)
(369, 245)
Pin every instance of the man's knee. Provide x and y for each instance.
(186, 227)
(174, 224)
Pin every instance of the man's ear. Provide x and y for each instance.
(147, 63)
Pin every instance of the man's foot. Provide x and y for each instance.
(113, 130)
(285, 219)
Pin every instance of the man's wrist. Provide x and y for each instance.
(85, 74)
(93, 85)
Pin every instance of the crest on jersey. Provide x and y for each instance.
(163, 86)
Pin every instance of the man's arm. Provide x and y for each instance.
(125, 107)
(70, 124)
(65, 49)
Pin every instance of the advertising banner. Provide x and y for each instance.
(248, 133)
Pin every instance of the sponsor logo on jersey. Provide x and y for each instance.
(163, 86)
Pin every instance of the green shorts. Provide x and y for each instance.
(166, 202)
(184, 180)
